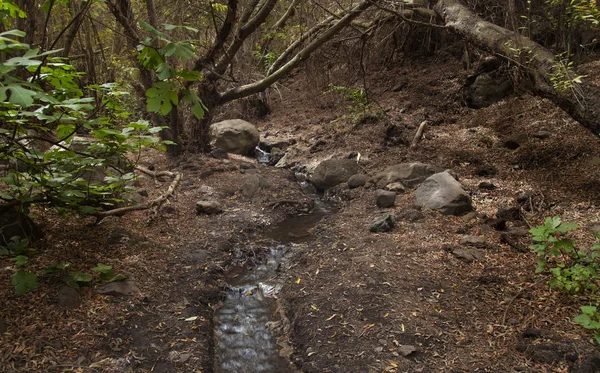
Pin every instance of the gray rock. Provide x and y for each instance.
(487, 185)
(383, 223)
(442, 192)
(247, 166)
(476, 241)
(235, 136)
(468, 255)
(269, 143)
(453, 174)
(410, 214)
(509, 214)
(542, 135)
(207, 190)
(332, 172)
(250, 171)
(68, 297)
(406, 350)
(514, 141)
(356, 181)
(308, 189)
(208, 207)
(119, 288)
(487, 89)
(517, 231)
(219, 153)
(118, 235)
(396, 187)
(252, 185)
(469, 216)
(409, 174)
(385, 198)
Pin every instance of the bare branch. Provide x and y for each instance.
(144, 206)
(243, 33)
(302, 55)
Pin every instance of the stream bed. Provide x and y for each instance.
(245, 341)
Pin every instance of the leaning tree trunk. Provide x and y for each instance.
(582, 102)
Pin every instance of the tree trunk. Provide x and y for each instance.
(582, 102)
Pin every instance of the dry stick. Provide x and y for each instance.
(155, 174)
(155, 202)
(418, 135)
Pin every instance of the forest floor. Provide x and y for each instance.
(356, 301)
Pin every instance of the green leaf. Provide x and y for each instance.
(65, 131)
(15, 32)
(190, 76)
(24, 282)
(102, 268)
(20, 260)
(166, 107)
(588, 310)
(565, 227)
(148, 27)
(21, 96)
(169, 27)
(198, 110)
(153, 104)
(80, 277)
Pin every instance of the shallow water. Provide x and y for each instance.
(244, 342)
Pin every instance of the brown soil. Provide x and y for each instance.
(354, 299)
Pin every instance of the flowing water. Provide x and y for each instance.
(245, 342)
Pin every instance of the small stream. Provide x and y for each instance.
(244, 338)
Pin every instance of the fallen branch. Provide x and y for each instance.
(154, 203)
(155, 174)
(418, 135)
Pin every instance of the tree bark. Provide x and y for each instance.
(582, 102)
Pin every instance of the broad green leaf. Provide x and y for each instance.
(588, 310)
(190, 76)
(24, 282)
(101, 268)
(65, 131)
(20, 260)
(15, 32)
(169, 27)
(565, 227)
(166, 107)
(148, 27)
(22, 61)
(153, 104)
(165, 71)
(21, 96)
(81, 277)
(198, 110)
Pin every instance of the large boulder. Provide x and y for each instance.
(235, 136)
(442, 192)
(409, 174)
(332, 172)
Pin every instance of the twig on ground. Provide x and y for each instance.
(418, 135)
